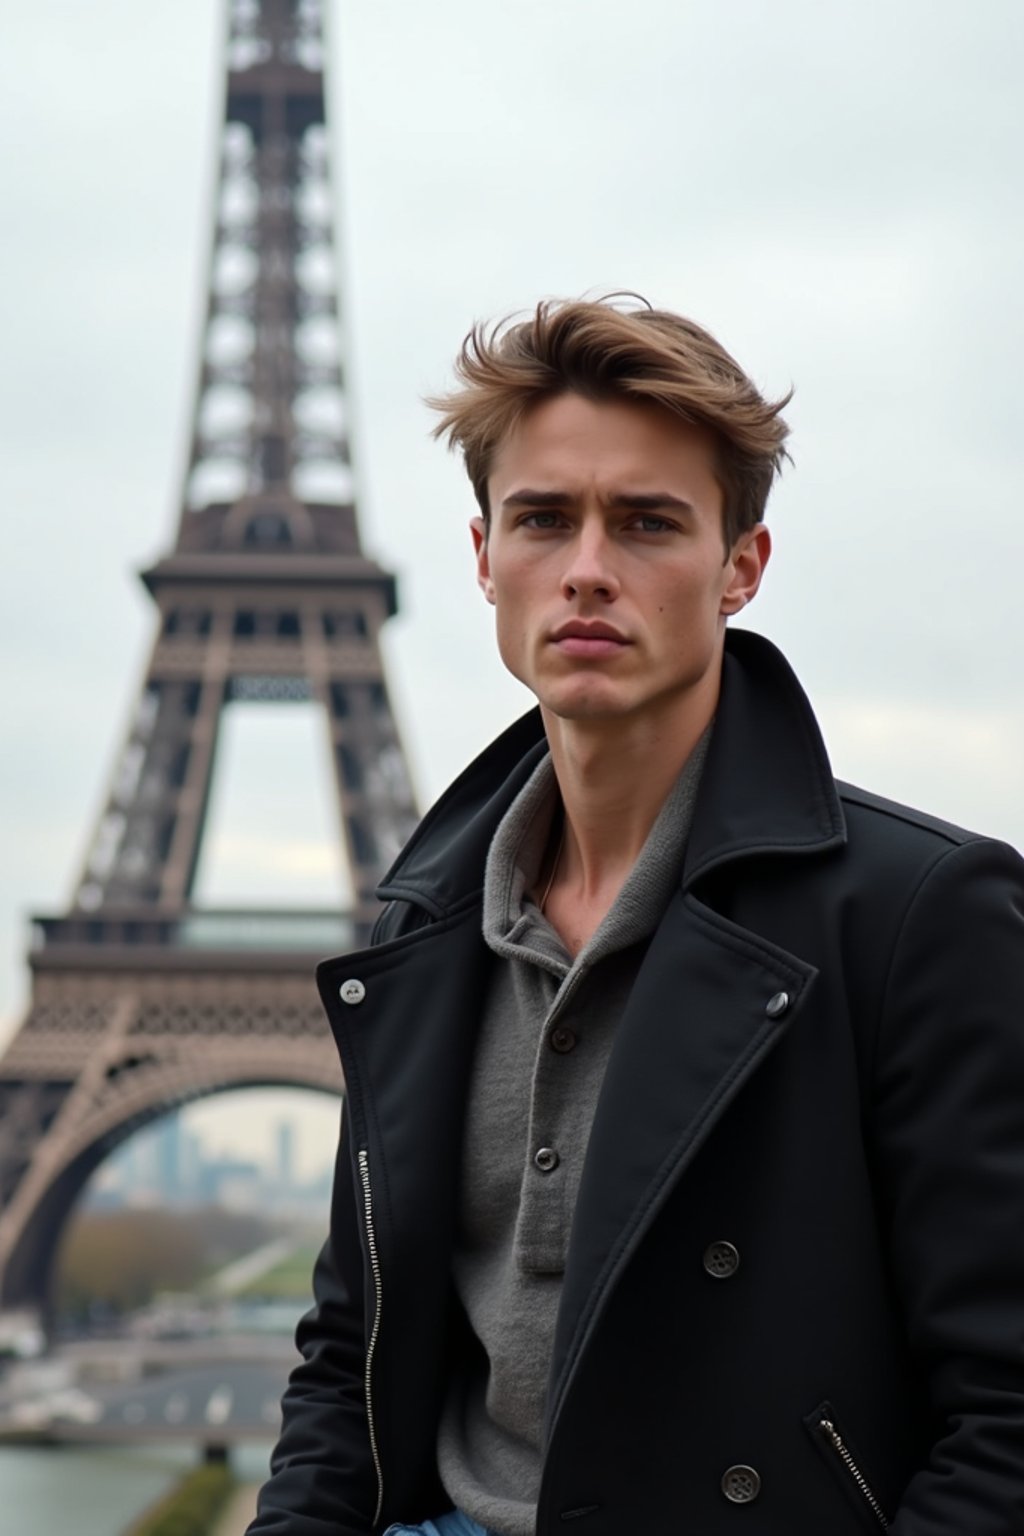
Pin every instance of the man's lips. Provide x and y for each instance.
(582, 638)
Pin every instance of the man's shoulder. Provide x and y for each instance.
(894, 848)
(896, 851)
(878, 814)
(895, 861)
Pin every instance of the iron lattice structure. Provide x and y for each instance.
(140, 1000)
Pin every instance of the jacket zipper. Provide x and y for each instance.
(839, 1445)
(371, 1248)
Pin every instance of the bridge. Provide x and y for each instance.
(216, 1405)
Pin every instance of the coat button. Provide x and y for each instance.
(352, 992)
(777, 1004)
(741, 1485)
(546, 1159)
(561, 1039)
(721, 1260)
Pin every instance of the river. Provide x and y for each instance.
(70, 1491)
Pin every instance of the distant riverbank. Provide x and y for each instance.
(97, 1491)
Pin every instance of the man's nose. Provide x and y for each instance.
(590, 568)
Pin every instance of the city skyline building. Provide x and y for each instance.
(168, 1165)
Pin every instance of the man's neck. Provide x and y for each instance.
(614, 777)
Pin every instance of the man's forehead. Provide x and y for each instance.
(569, 417)
(568, 443)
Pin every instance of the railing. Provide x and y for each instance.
(320, 931)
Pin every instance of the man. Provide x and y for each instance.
(680, 1187)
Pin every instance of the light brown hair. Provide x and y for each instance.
(595, 349)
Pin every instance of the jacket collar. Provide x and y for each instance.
(766, 788)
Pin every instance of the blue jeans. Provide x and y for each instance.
(454, 1523)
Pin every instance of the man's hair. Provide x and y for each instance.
(595, 349)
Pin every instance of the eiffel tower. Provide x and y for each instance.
(141, 1000)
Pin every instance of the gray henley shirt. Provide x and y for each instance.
(546, 1032)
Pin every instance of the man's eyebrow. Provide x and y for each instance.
(650, 501)
(528, 498)
(645, 501)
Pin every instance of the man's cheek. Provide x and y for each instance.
(512, 645)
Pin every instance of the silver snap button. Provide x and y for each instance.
(352, 991)
(546, 1158)
(777, 1004)
(741, 1485)
(721, 1260)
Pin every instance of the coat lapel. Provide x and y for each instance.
(707, 1006)
(710, 1002)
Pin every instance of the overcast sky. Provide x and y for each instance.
(834, 189)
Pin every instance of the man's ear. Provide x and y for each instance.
(745, 565)
(478, 528)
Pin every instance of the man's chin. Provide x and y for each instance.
(591, 704)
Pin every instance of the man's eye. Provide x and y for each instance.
(541, 520)
(651, 524)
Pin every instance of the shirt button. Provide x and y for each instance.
(777, 1004)
(545, 1158)
(741, 1485)
(352, 992)
(721, 1260)
(561, 1040)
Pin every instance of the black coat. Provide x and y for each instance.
(802, 1197)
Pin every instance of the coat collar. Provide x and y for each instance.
(766, 787)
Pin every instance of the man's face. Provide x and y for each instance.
(605, 559)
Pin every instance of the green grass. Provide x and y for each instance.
(190, 1509)
(291, 1280)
